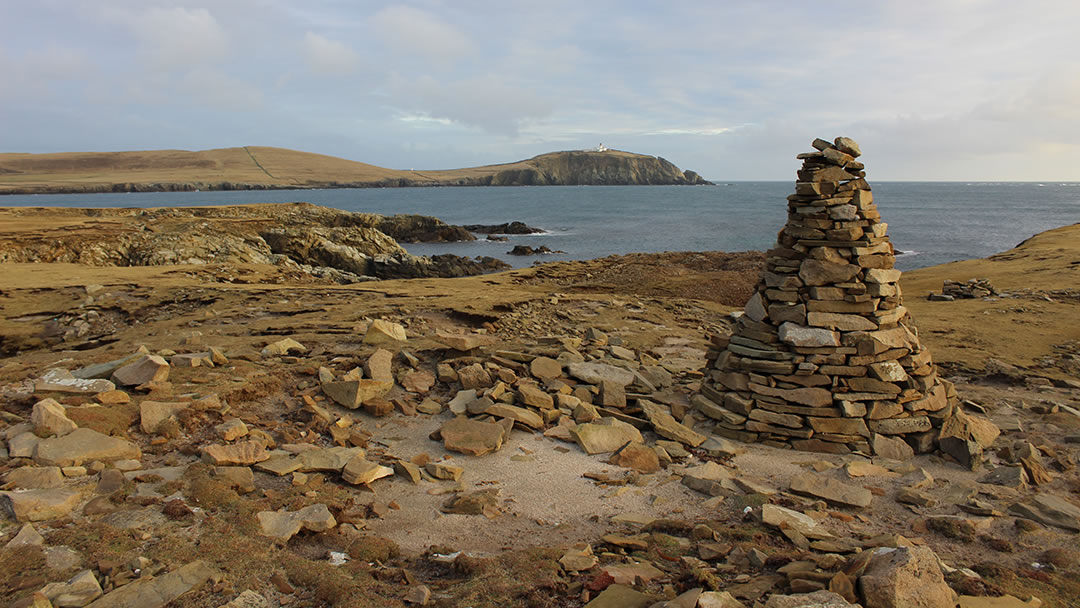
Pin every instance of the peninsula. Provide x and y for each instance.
(265, 168)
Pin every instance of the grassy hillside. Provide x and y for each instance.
(256, 167)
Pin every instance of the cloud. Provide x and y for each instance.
(487, 102)
(216, 89)
(326, 56)
(41, 73)
(413, 31)
(176, 37)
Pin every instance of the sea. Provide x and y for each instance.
(930, 222)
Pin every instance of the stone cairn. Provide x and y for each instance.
(825, 357)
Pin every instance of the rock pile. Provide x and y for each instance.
(973, 288)
(825, 356)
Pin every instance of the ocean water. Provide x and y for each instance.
(931, 222)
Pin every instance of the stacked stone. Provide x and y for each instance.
(825, 356)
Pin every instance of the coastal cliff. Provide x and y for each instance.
(264, 168)
(591, 168)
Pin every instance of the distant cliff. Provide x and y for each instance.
(587, 168)
(261, 168)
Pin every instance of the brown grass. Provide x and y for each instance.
(250, 165)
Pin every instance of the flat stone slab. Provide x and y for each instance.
(152, 414)
(1050, 510)
(383, 332)
(594, 373)
(79, 590)
(330, 460)
(34, 478)
(242, 453)
(463, 342)
(59, 380)
(353, 393)
(282, 525)
(621, 596)
(667, 426)
(831, 490)
(39, 505)
(780, 517)
(50, 418)
(361, 471)
(799, 335)
(156, 591)
(817, 599)
(472, 437)
(604, 435)
(148, 368)
(519, 414)
(83, 445)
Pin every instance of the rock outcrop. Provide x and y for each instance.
(825, 356)
(591, 168)
(330, 244)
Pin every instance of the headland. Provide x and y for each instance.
(263, 168)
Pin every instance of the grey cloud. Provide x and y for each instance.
(487, 102)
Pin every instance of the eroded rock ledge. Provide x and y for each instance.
(334, 245)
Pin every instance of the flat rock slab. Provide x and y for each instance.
(39, 505)
(1005, 601)
(34, 478)
(716, 599)
(780, 517)
(831, 490)
(104, 370)
(481, 502)
(905, 576)
(626, 574)
(518, 414)
(156, 591)
(892, 448)
(604, 435)
(667, 426)
(621, 596)
(384, 332)
(594, 373)
(50, 418)
(135, 519)
(242, 453)
(354, 393)
(152, 414)
(328, 460)
(1050, 510)
(84, 445)
(799, 335)
(817, 599)
(79, 590)
(283, 347)
(361, 471)
(463, 342)
(283, 525)
(147, 368)
(472, 437)
(59, 380)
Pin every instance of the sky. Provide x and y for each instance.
(982, 90)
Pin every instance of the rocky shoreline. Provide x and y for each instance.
(236, 433)
(325, 244)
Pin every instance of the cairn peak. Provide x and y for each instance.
(825, 357)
